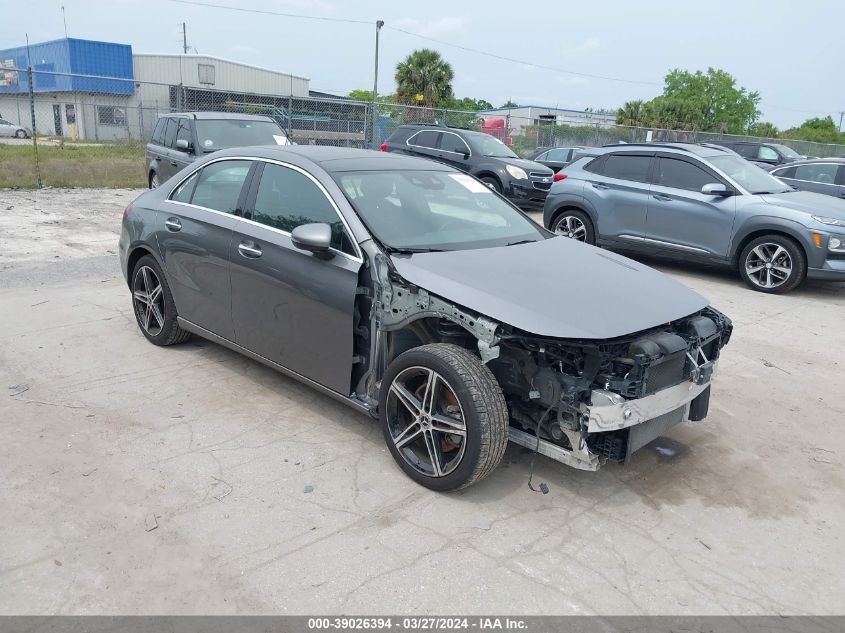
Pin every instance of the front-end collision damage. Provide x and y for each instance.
(580, 402)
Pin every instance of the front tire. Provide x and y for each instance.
(774, 264)
(155, 311)
(575, 225)
(154, 180)
(20, 134)
(443, 416)
(492, 183)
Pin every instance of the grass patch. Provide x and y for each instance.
(107, 165)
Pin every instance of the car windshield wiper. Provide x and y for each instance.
(500, 156)
(410, 251)
(517, 243)
(764, 193)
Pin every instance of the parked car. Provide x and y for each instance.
(9, 129)
(412, 292)
(523, 182)
(700, 203)
(765, 154)
(822, 175)
(556, 158)
(181, 138)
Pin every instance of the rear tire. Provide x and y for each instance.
(774, 264)
(20, 134)
(154, 180)
(443, 416)
(155, 310)
(575, 225)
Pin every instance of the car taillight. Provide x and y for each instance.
(559, 176)
(126, 211)
(384, 147)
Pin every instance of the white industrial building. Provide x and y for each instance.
(91, 90)
(518, 117)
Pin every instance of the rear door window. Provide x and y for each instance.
(680, 174)
(158, 133)
(425, 138)
(219, 185)
(627, 167)
(559, 155)
(453, 143)
(170, 133)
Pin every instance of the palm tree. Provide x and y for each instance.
(632, 114)
(424, 72)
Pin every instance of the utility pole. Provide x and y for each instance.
(184, 39)
(840, 121)
(379, 24)
(64, 19)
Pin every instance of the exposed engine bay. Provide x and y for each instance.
(580, 402)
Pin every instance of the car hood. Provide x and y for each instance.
(808, 202)
(557, 287)
(527, 165)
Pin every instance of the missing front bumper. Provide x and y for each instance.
(617, 427)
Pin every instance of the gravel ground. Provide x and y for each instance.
(192, 480)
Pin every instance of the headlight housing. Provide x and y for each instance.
(518, 173)
(828, 221)
(836, 244)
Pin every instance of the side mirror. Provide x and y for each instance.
(315, 237)
(466, 155)
(182, 145)
(716, 189)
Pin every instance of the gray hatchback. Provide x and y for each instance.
(700, 203)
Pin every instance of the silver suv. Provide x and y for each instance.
(700, 203)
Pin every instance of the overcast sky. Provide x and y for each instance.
(789, 51)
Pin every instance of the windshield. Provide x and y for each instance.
(487, 145)
(788, 151)
(214, 134)
(416, 211)
(748, 175)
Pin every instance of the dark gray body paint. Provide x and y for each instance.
(607, 295)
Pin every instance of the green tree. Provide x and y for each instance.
(713, 99)
(424, 72)
(360, 94)
(509, 104)
(632, 114)
(764, 129)
(467, 103)
(820, 130)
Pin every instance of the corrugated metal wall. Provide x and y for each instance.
(226, 75)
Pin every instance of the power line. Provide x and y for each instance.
(523, 62)
(468, 49)
(268, 12)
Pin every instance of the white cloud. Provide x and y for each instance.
(431, 28)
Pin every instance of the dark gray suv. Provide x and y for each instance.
(700, 203)
(523, 182)
(181, 138)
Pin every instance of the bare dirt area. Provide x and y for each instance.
(190, 479)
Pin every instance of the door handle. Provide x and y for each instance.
(173, 224)
(661, 197)
(250, 250)
(173, 163)
(598, 185)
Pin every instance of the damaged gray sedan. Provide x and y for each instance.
(414, 293)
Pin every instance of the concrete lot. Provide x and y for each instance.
(192, 480)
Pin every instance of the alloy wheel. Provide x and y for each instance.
(571, 227)
(154, 181)
(768, 265)
(426, 421)
(148, 299)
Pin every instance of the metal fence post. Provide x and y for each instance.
(38, 182)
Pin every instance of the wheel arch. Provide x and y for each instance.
(573, 206)
(135, 253)
(741, 240)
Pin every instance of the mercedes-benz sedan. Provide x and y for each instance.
(415, 293)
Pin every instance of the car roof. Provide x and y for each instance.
(702, 150)
(204, 116)
(830, 159)
(339, 159)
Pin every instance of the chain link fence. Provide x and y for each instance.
(64, 130)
